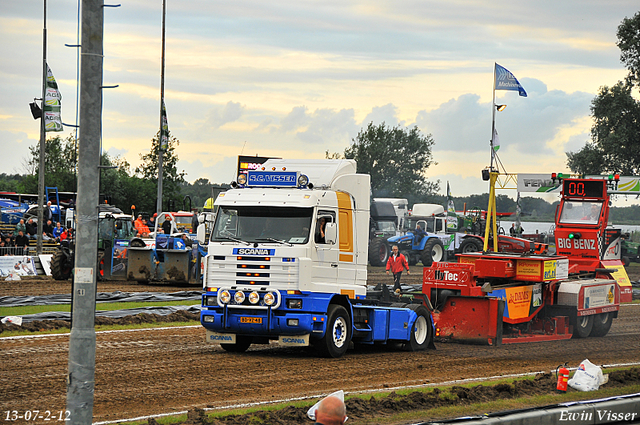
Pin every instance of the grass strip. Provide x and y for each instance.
(436, 413)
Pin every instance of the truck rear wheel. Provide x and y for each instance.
(336, 339)
(583, 326)
(60, 267)
(421, 330)
(470, 244)
(433, 251)
(601, 324)
(378, 252)
(242, 343)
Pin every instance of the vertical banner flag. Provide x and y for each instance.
(164, 132)
(506, 81)
(496, 141)
(52, 98)
(452, 217)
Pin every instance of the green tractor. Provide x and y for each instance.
(115, 230)
(630, 250)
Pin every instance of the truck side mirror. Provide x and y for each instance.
(331, 233)
(201, 233)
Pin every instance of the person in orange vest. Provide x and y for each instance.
(143, 230)
(397, 263)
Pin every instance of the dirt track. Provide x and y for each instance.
(161, 371)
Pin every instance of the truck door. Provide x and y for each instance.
(325, 270)
(346, 240)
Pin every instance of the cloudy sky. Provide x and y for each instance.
(295, 79)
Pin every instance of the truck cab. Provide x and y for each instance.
(583, 232)
(287, 261)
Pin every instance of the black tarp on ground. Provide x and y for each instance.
(163, 311)
(101, 297)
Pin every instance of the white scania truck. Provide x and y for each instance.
(287, 261)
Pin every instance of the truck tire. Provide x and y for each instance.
(242, 343)
(421, 330)
(583, 326)
(60, 267)
(378, 252)
(470, 244)
(336, 339)
(601, 324)
(433, 251)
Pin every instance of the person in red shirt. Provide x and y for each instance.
(397, 263)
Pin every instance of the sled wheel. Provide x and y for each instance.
(378, 252)
(583, 326)
(433, 251)
(60, 267)
(421, 330)
(470, 245)
(336, 339)
(601, 324)
(242, 343)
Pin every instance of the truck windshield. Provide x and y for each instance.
(183, 223)
(263, 224)
(579, 212)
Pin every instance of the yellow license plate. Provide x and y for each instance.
(251, 320)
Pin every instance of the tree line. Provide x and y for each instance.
(395, 157)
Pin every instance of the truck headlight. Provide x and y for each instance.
(254, 298)
(242, 179)
(208, 319)
(303, 180)
(269, 298)
(224, 296)
(239, 297)
(211, 301)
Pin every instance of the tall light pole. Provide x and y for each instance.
(82, 340)
(161, 146)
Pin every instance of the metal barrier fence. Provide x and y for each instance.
(14, 250)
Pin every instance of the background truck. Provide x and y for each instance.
(287, 261)
(382, 225)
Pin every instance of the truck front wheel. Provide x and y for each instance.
(336, 339)
(421, 331)
(433, 251)
(242, 343)
(601, 324)
(583, 326)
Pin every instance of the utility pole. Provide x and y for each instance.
(161, 146)
(82, 342)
